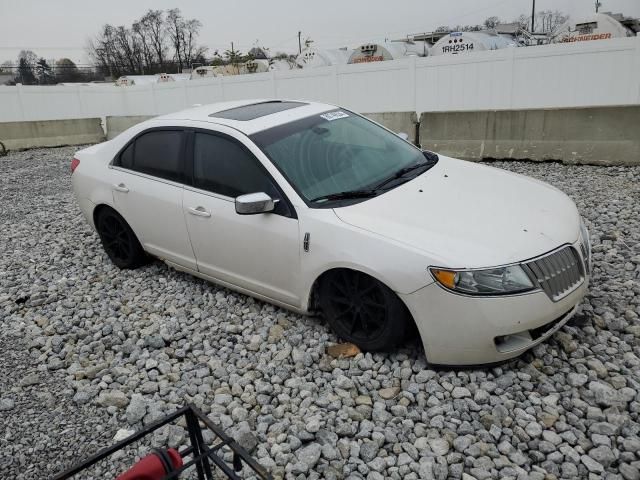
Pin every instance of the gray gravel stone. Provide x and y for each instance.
(112, 398)
(137, 409)
(309, 455)
(75, 330)
(591, 464)
(7, 404)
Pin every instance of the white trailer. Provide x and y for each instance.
(129, 80)
(599, 26)
(259, 65)
(203, 72)
(388, 50)
(456, 43)
(312, 57)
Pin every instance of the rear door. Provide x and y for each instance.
(260, 253)
(148, 193)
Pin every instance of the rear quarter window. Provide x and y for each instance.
(126, 157)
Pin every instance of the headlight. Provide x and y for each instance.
(491, 281)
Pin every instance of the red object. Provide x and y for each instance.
(152, 467)
(74, 164)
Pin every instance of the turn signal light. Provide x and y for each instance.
(74, 164)
(445, 277)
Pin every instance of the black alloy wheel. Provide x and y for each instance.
(363, 311)
(119, 241)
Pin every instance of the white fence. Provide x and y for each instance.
(593, 73)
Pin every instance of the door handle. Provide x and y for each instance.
(121, 187)
(199, 211)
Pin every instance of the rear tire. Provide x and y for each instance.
(119, 241)
(363, 311)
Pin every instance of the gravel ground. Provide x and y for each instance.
(87, 350)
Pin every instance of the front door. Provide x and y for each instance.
(261, 252)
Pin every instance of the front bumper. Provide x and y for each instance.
(465, 330)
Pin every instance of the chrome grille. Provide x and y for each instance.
(558, 273)
(585, 256)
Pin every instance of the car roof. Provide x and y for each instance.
(250, 116)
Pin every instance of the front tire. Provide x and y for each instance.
(119, 241)
(363, 311)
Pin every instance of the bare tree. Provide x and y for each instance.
(155, 43)
(192, 52)
(144, 41)
(154, 26)
(175, 28)
(492, 22)
(183, 34)
(548, 21)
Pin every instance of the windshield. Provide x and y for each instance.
(336, 152)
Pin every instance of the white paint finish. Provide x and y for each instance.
(313, 57)
(459, 330)
(153, 208)
(451, 215)
(257, 252)
(466, 215)
(468, 43)
(552, 76)
(599, 26)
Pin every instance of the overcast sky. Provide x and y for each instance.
(61, 28)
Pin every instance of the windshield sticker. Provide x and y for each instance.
(334, 115)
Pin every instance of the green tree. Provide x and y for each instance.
(66, 71)
(234, 58)
(26, 63)
(44, 73)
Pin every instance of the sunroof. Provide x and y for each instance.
(256, 110)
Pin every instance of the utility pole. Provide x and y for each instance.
(234, 61)
(598, 5)
(533, 17)
(299, 43)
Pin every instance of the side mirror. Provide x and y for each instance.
(253, 203)
(404, 136)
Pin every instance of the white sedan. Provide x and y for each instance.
(317, 209)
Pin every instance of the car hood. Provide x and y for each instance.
(467, 215)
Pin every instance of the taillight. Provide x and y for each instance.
(74, 164)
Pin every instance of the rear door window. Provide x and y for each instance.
(157, 153)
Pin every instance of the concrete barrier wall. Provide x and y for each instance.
(398, 122)
(117, 125)
(600, 136)
(51, 133)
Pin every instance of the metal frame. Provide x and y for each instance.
(202, 455)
